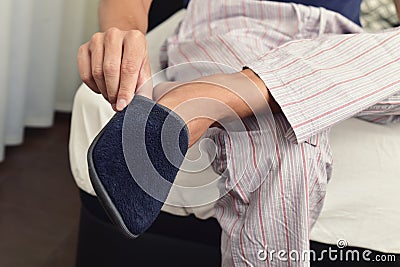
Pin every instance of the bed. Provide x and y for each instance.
(362, 202)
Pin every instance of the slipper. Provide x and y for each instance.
(134, 161)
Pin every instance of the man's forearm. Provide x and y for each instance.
(244, 93)
(124, 14)
(217, 99)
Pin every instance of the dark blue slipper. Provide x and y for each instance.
(134, 161)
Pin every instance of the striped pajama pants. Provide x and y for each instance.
(278, 212)
(270, 209)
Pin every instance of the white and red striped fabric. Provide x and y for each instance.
(321, 69)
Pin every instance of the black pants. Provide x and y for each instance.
(171, 241)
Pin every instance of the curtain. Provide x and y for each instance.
(38, 71)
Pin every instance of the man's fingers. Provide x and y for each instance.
(113, 41)
(113, 63)
(85, 67)
(132, 60)
(97, 57)
(145, 84)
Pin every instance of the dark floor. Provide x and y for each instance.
(39, 203)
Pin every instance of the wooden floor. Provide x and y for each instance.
(39, 203)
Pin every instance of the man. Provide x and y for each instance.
(309, 79)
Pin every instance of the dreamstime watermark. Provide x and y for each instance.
(330, 254)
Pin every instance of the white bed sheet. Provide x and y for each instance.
(362, 203)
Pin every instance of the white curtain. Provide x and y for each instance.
(38, 73)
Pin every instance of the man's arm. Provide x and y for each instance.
(124, 14)
(320, 82)
(115, 61)
(217, 98)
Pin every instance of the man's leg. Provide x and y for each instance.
(278, 215)
(279, 212)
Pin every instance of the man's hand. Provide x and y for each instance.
(115, 63)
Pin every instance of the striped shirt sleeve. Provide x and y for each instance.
(386, 111)
(322, 81)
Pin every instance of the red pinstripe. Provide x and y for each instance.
(241, 244)
(230, 50)
(278, 154)
(337, 66)
(233, 226)
(209, 18)
(316, 180)
(305, 180)
(341, 82)
(242, 194)
(319, 201)
(244, 21)
(271, 205)
(347, 104)
(254, 153)
(327, 89)
(226, 16)
(220, 151)
(297, 225)
(187, 60)
(312, 56)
